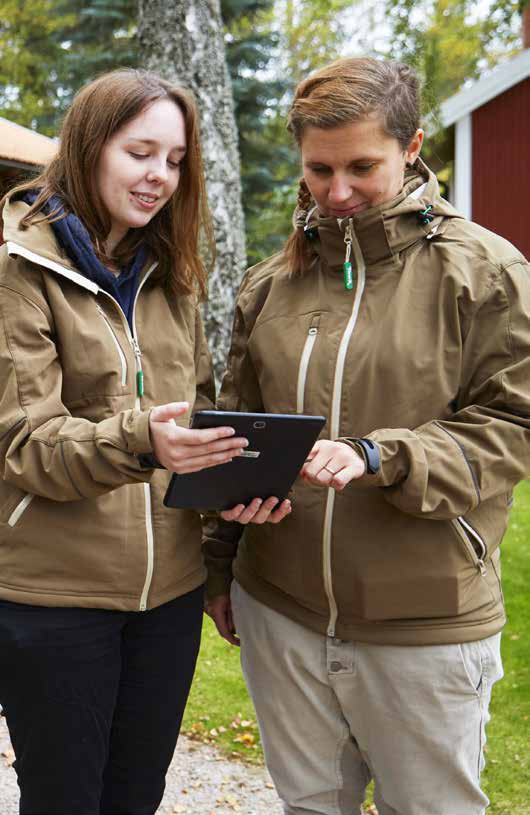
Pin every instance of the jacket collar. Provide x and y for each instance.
(38, 244)
(385, 230)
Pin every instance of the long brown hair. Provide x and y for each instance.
(174, 234)
(342, 92)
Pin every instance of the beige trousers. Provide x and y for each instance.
(334, 714)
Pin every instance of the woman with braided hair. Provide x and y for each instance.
(369, 606)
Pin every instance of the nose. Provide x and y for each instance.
(339, 190)
(157, 171)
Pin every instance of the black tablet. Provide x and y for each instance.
(278, 446)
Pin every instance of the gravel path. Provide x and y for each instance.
(199, 782)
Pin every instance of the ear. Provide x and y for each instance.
(413, 150)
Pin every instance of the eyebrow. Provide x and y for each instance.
(179, 148)
(362, 160)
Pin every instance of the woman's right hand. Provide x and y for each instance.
(220, 610)
(184, 450)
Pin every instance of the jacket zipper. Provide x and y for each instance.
(119, 349)
(150, 538)
(469, 531)
(20, 509)
(304, 363)
(133, 339)
(352, 242)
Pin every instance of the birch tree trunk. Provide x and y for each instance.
(182, 40)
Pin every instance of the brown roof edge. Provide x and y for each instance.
(24, 146)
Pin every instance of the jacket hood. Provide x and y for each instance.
(38, 243)
(37, 238)
(385, 230)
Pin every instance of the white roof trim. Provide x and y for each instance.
(14, 249)
(501, 79)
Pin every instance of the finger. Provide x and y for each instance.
(312, 469)
(223, 623)
(347, 474)
(207, 435)
(232, 628)
(312, 453)
(250, 511)
(262, 515)
(232, 514)
(278, 515)
(186, 452)
(164, 413)
(195, 465)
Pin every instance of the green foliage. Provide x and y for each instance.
(101, 38)
(449, 43)
(252, 44)
(49, 48)
(30, 58)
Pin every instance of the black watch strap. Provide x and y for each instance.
(149, 461)
(371, 455)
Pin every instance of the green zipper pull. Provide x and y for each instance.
(347, 267)
(348, 276)
(140, 383)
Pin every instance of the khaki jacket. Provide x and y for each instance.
(81, 521)
(429, 356)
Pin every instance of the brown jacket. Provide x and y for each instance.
(81, 520)
(429, 356)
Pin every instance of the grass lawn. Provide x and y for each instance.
(220, 712)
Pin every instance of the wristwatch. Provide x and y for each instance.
(370, 452)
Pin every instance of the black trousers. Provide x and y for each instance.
(94, 701)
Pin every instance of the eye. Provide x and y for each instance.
(174, 164)
(138, 156)
(363, 168)
(319, 168)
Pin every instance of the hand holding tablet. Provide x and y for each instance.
(266, 469)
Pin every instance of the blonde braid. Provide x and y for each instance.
(304, 201)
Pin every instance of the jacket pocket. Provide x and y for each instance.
(119, 349)
(20, 509)
(473, 543)
(305, 360)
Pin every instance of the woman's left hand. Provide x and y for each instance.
(332, 464)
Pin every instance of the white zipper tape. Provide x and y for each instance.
(335, 425)
(304, 364)
(20, 509)
(474, 534)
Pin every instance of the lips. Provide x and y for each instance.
(145, 200)
(344, 213)
(146, 197)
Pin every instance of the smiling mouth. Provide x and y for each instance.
(145, 197)
(342, 213)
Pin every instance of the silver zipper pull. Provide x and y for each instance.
(347, 268)
(136, 347)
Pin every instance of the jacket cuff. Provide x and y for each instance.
(138, 436)
(394, 465)
(217, 584)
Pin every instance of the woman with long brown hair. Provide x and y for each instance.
(369, 616)
(102, 357)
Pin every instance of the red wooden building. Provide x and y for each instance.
(492, 150)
